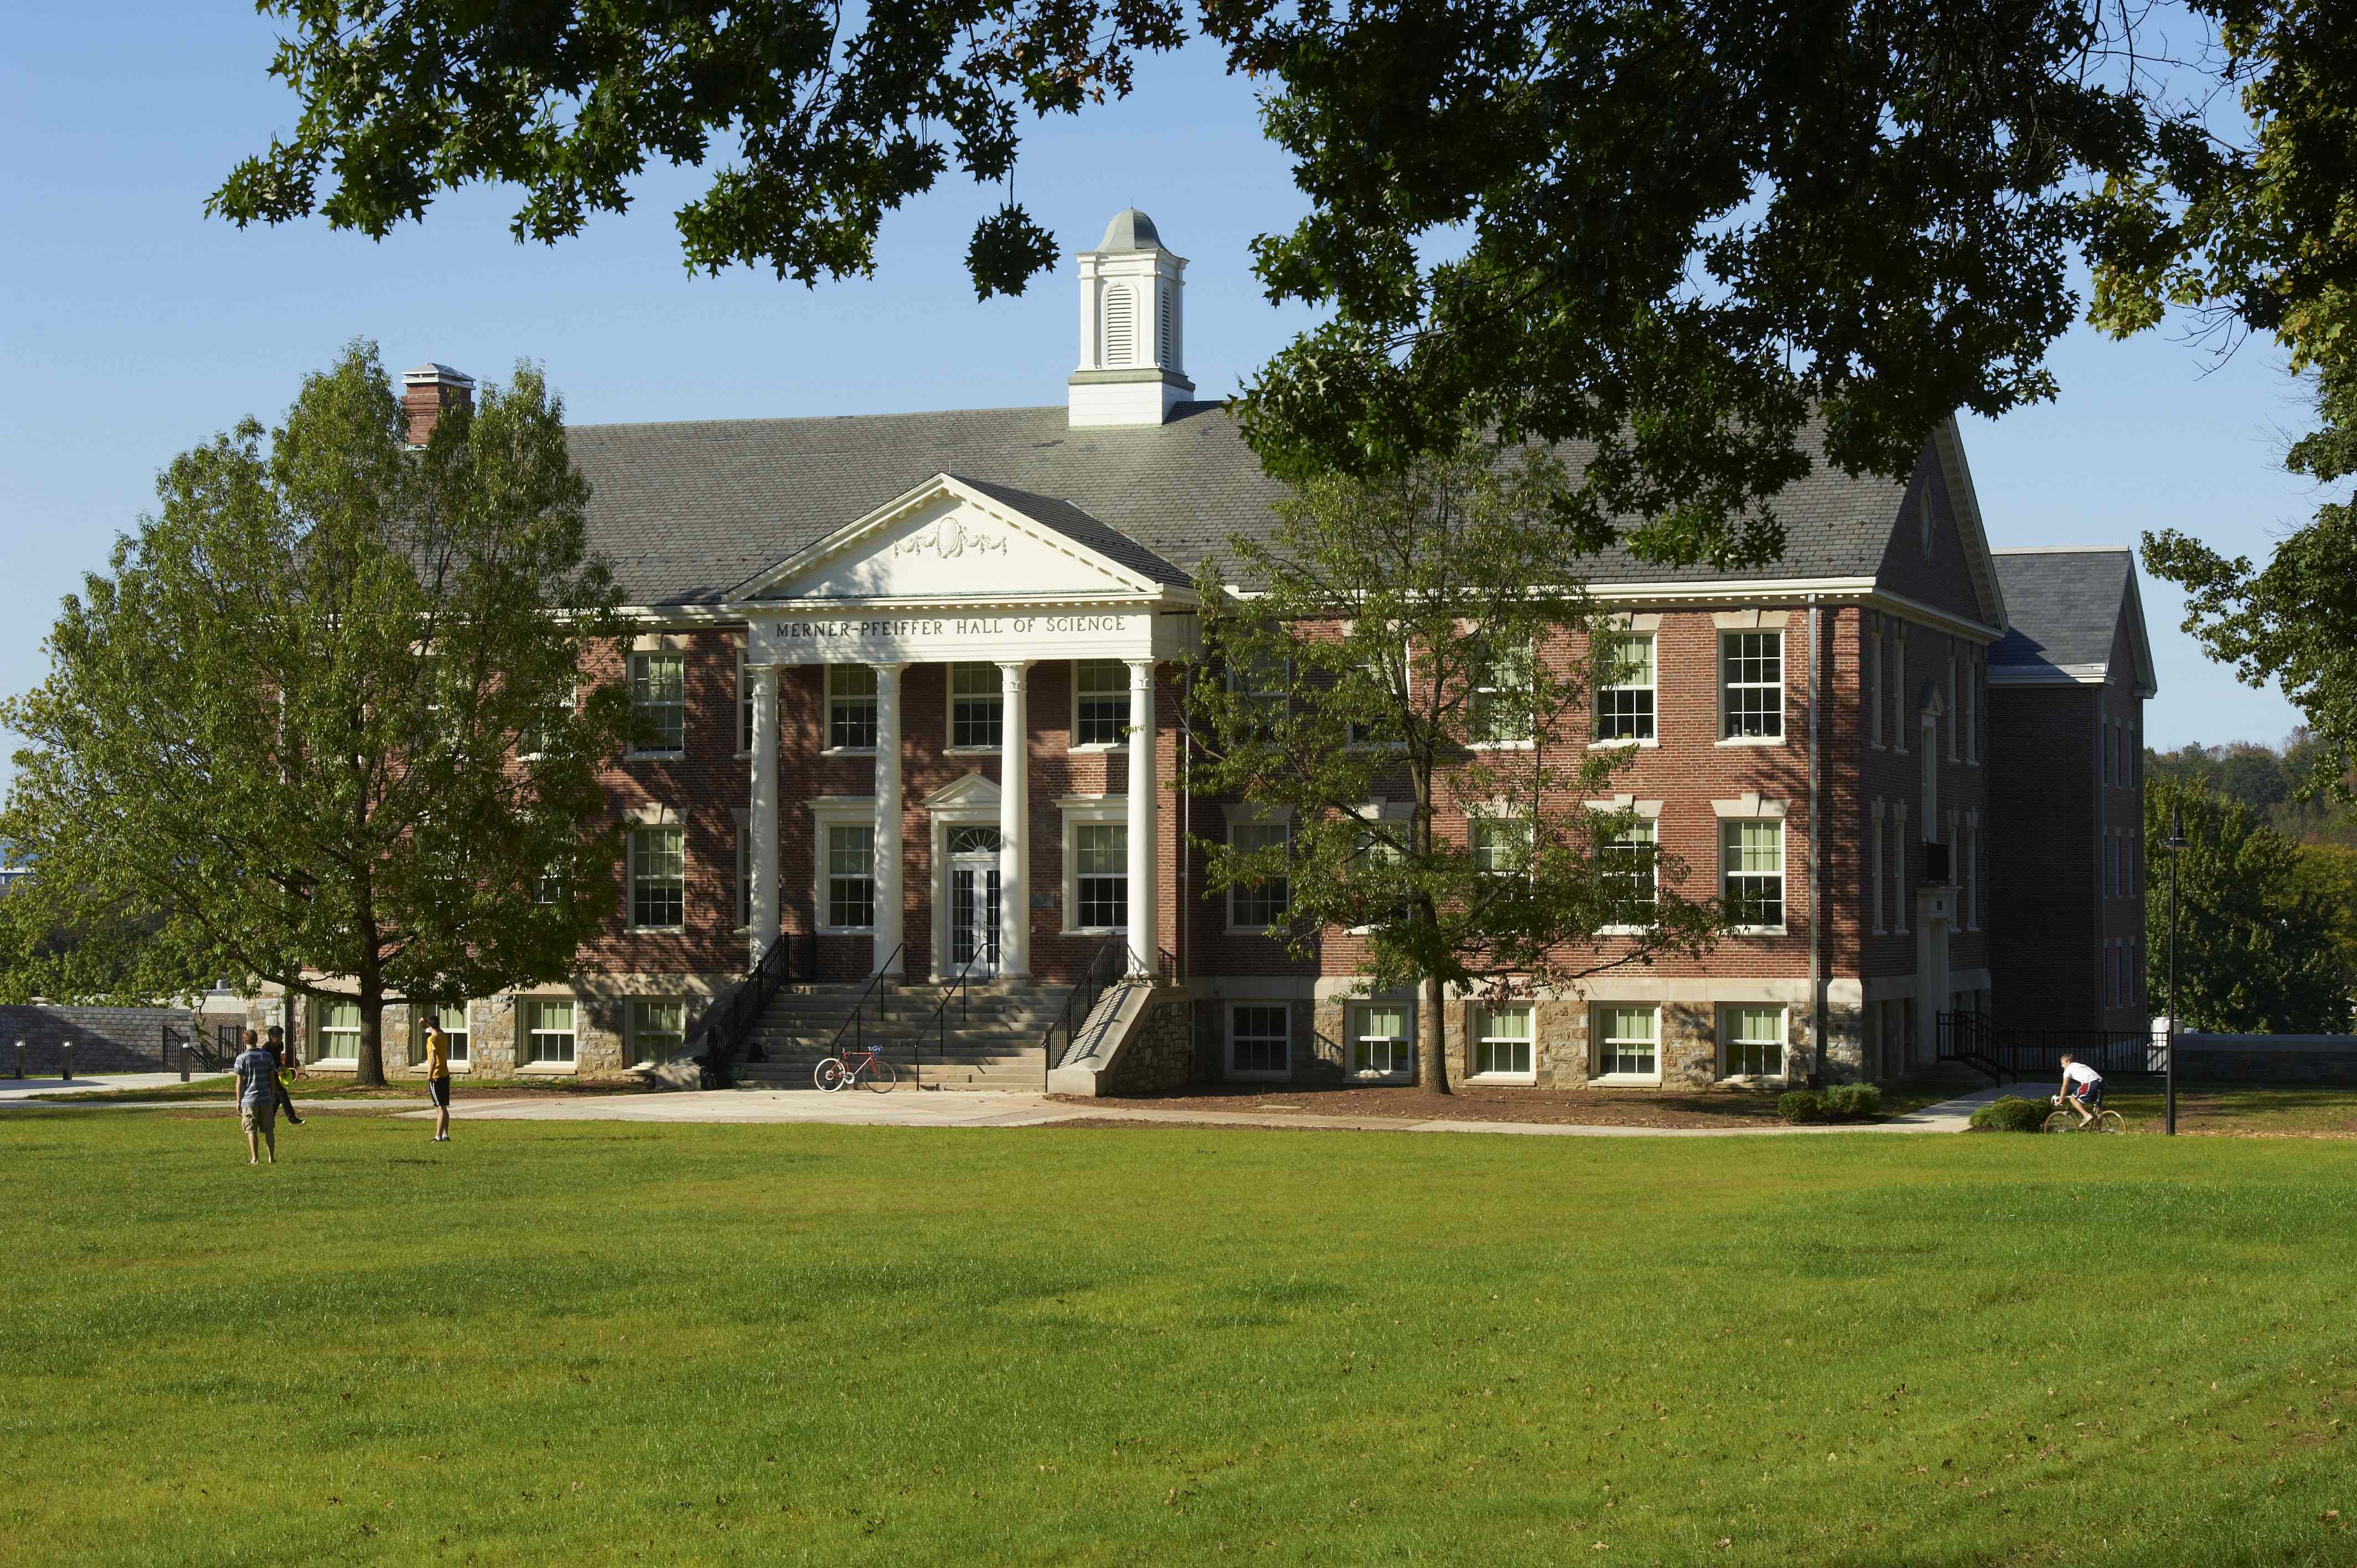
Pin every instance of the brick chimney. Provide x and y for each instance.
(426, 390)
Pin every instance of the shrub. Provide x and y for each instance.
(1800, 1105)
(1853, 1101)
(2011, 1113)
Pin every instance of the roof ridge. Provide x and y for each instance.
(2063, 550)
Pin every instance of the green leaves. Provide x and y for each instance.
(280, 735)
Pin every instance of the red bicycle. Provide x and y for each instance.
(854, 1067)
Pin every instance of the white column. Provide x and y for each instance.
(887, 821)
(1143, 928)
(764, 813)
(1014, 823)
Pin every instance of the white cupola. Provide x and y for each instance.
(1133, 323)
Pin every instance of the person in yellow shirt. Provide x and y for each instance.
(437, 1078)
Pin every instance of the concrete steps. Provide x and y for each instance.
(993, 1042)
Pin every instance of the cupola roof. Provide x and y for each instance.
(1130, 230)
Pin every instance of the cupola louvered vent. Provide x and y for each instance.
(1162, 355)
(1120, 330)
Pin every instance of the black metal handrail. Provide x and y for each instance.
(853, 1025)
(959, 988)
(2002, 1053)
(1109, 963)
(725, 1036)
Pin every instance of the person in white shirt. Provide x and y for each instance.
(2082, 1088)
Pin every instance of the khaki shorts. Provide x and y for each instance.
(262, 1118)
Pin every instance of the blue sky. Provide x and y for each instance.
(134, 328)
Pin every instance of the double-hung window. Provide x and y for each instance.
(1752, 1042)
(1100, 876)
(1502, 1037)
(744, 706)
(548, 1030)
(1628, 862)
(1624, 687)
(850, 707)
(1381, 1043)
(455, 1035)
(1260, 1041)
(1628, 1042)
(850, 876)
(1752, 872)
(1258, 906)
(1100, 703)
(1751, 685)
(1501, 682)
(1501, 846)
(659, 702)
(1260, 686)
(340, 1031)
(977, 707)
(658, 1030)
(658, 879)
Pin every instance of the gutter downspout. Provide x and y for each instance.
(1817, 853)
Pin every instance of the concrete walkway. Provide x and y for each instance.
(26, 1088)
(918, 1109)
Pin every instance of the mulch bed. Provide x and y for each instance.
(1567, 1107)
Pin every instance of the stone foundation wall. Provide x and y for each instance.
(496, 1045)
(1159, 1055)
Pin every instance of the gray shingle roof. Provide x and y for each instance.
(687, 511)
(2065, 605)
(1084, 530)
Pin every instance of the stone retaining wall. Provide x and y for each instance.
(2269, 1059)
(104, 1039)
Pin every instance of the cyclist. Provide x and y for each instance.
(2083, 1090)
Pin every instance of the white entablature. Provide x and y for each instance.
(957, 571)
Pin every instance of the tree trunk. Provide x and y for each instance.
(368, 1070)
(1434, 1041)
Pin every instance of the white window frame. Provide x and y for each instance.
(1475, 693)
(1650, 686)
(635, 873)
(1355, 1016)
(1284, 832)
(871, 700)
(321, 1033)
(1970, 851)
(1480, 1031)
(1874, 856)
(1898, 686)
(1873, 676)
(1784, 854)
(1649, 815)
(570, 703)
(1898, 867)
(1275, 700)
(744, 704)
(1950, 704)
(996, 697)
(528, 1030)
(828, 813)
(1726, 1012)
(1595, 1015)
(422, 1018)
(1483, 822)
(633, 1051)
(1973, 658)
(1092, 810)
(1284, 1010)
(1728, 686)
(639, 707)
(1121, 728)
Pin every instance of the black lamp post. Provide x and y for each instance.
(2176, 847)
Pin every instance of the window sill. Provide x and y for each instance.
(1094, 930)
(1527, 1079)
(1626, 743)
(1502, 745)
(847, 751)
(1625, 1080)
(1099, 746)
(1380, 1077)
(1764, 931)
(658, 931)
(678, 755)
(1754, 1081)
(549, 1069)
(1624, 930)
(1751, 740)
(1234, 1076)
(1255, 930)
(847, 930)
(973, 750)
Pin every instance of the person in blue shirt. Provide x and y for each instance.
(257, 1098)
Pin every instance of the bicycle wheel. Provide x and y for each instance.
(828, 1075)
(2109, 1121)
(881, 1076)
(2060, 1122)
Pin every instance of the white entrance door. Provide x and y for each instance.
(973, 898)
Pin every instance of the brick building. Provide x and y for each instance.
(915, 677)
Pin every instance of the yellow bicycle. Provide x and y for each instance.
(2065, 1120)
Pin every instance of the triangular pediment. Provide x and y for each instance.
(973, 790)
(950, 541)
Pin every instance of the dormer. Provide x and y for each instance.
(1132, 323)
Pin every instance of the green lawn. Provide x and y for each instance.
(588, 1343)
